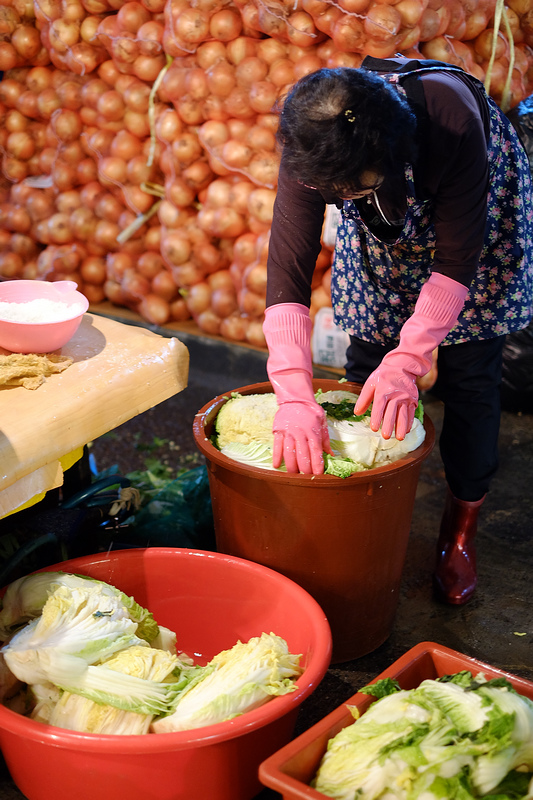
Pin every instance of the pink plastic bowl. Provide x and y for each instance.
(210, 601)
(39, 337)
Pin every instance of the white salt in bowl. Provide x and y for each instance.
(39, 316)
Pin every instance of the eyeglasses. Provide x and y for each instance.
(349, 194)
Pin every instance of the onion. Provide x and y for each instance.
(483, 45)
(186, 149)
(198, 175)
(236, 154)
(261, 204)
(221, 279)
(255, 278)
(209, 257)
(58, 227)
(240, 192)
(95, 294)
(250, 70)
(240, 48)
(225, 25)
(301, 29)
(111, 105)
(209, 322)
(270, 50)
(326, 21)
(307, 64)
(27, 42)
(263, 169)
(263, 96)
(179, 311)
(11, 265)
(250, 303)
(179, 193)
(106, 233)
(208, 53)
(224, 301)
(175, 248)
(213, 133)
(66, 125)
(234, 327)
(154, 309)
(457, 24)
(218, 193)
(237, 104)
(112, 171)
(348, 34)
(114, 292)
(192, 26)
(187, 275)
(198, 297)
(382, 22)
(476, 22)
(9, 57)
(93, 270)
(244, 249)
(164, 285)
(254, 333)
(228, 223)
(221, 78)
(117, 264)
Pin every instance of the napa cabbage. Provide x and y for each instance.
(25, 598)
(80, 628)
(243, 432)
(454, 738)
(236, 680)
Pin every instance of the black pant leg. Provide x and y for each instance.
(469, 385)
(362, 358)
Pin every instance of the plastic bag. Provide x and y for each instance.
(179, 515)
(517, 371)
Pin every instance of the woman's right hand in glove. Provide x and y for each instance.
(300, 428)
(300, 437)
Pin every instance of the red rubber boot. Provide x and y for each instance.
(455, 575)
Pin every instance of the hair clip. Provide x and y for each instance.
(350, 116)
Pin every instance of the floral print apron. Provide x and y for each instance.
(375, 283)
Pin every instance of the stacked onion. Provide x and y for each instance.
(138, 138)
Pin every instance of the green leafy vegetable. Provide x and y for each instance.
(382, 688)
(457, 738)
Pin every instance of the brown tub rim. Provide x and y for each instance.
(204, 420)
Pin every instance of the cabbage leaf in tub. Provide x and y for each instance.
(243, 432)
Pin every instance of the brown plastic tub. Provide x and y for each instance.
(343, 539)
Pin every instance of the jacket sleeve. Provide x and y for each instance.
(295, 243)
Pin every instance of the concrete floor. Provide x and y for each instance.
(495, 627)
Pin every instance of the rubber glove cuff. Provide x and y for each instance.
(300, 428)
(391, 388)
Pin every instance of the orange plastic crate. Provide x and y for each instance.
(290, 770)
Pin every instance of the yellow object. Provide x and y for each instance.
(65, 462)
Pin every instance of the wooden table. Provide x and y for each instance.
(118, 371)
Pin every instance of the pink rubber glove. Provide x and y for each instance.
(391, 388)
(300, 427)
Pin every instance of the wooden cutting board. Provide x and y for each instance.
(118, 371)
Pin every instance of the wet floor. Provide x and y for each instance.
(496, 627)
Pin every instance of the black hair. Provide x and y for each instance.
(336, 124)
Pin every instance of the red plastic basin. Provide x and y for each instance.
(210, 601)
(290, 770)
